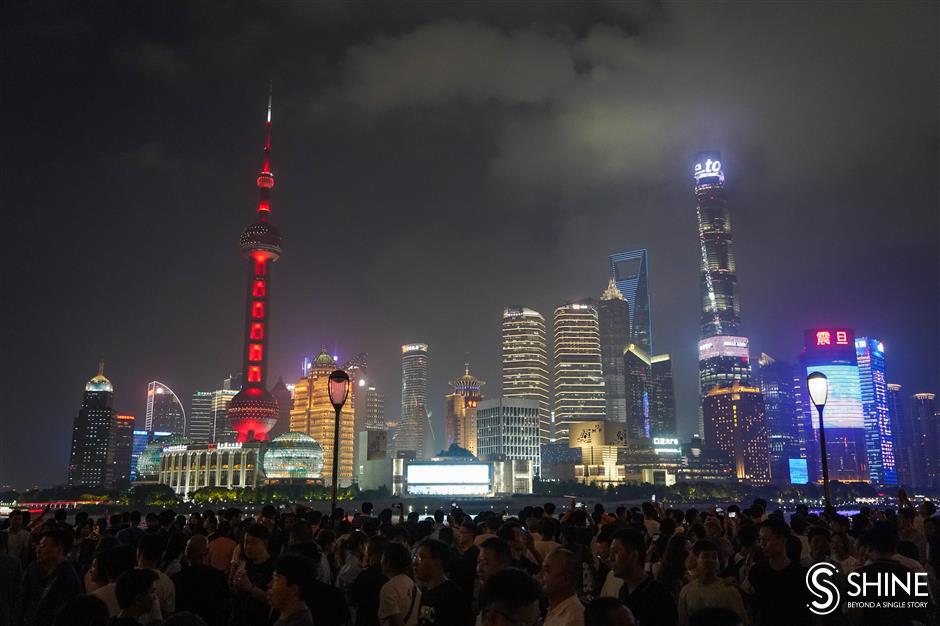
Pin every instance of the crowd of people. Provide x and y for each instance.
(296, 566)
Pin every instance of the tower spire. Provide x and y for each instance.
(265, 176)
(101, 366)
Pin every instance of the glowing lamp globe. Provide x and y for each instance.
(252, 413)
(818, 385)
(339, 388)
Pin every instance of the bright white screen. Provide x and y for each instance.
(448, 474)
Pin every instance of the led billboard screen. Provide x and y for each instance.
(444, 479)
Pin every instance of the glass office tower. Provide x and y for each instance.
(879, 436)
(630, 271)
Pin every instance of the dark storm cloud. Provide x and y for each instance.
(469, 156)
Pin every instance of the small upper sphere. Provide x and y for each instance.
(261, 236)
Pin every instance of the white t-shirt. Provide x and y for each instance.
(612, 585)
(399, 596)
(569, 612)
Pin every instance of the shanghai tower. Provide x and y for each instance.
(254, 411)
(723, 352)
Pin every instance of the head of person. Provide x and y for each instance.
(602, 543)
(268, 516)
(840, 544)
(136, 591)
(395, 560)
(560, 574)
(510, 598)
(514, 535)
(819, 542)
(149, 550)
(467, 535)
(549, 529)
(16, 520)
(54, 547)
(398, 534)
(117, 560)
(713, 529)
(84, 610)
(706, 558)
(375, 548)
(255, 543)
(772, 537)
(287, 586)
(882, 541)
(197, 550)
(627, 552)
(549, 509)
(608, 612)
(300, 532)
(431, 560)
(367, 508)
(494, 556)
(906, 519)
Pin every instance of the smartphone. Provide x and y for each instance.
(579, 505)
(719, 510)
(732, 514)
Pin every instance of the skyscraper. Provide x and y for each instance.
(164, 410)
(254, 411)
(91, 432)
(613, 318)
(832, 352)
(313, 415)
(509, 426)
(879, 437)
(925, 441)
(650, 396)
(199, 425)
(783, 434)
(460, 418)
(524, 360)
(631, 273)
(375, 410)
(120, 446)
(414, 433)
(735, 425)
(579, 380)
(902, 452)
(284, 403)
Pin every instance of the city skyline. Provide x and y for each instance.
(792, 216)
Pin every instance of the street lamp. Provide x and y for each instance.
(339, 390)
(818, 386)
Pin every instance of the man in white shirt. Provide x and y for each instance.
(149, 552)
(561, 571)
(399, 598)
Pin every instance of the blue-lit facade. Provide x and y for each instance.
(140, 440)
(832, 352)
(783, 433)
(630, 270)
(879, 434)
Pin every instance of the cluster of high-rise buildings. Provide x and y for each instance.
(582, 396)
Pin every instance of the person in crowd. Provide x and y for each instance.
(842, 552)
(365, 590)
(442, 601)
(11, 574)
(606, 581)
(647, 599)
(464, 572)
(200, 588)
(18, 537)
(548, 530)
(50, 581)
(136, 596)
(133, 532)
(608, 611)
(400, 597)
(286, 591)
(907, 531)
(510, 598)
(221, 543)
(522, 553)
(560, 578)
(778, 582)
(494, 555)
(706, 590)
(251, 579)
(149, 552)
(672, 571)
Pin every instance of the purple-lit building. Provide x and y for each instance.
(832, 352)
(879, 435)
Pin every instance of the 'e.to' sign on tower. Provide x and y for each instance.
(254, 411)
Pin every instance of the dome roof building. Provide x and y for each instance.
(293, 456)
(148, 464)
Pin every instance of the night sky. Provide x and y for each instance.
(436, 162)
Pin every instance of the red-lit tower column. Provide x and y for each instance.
(254, 411)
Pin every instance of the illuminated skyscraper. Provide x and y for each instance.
(879, 436)
(460, 419)
(199, 424)
(254, 411)
(164, 410)
(91, 433)
(120, 446)
(924, 429)
(414, 433)
(832, 352)
(285, 401)
(509, 426)
(579, 380)
(735, 425)
(524, 360)
(613, 318)
(313, 415)
(783, 432)
(375, 410)
(141, 439)
(631, 273)
(902, 452)
(650, 396)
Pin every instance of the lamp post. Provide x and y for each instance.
(818, 385)
(339, 391)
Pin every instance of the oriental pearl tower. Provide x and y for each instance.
(254, 411)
